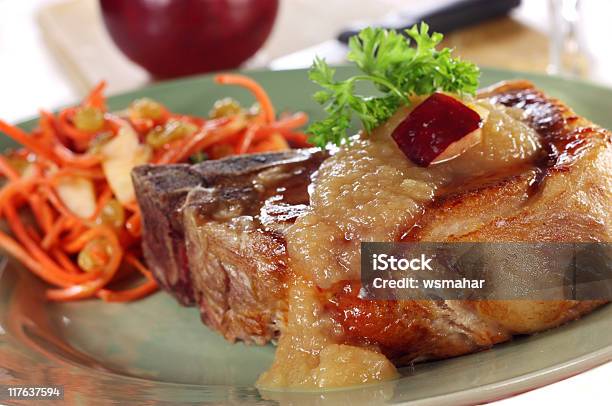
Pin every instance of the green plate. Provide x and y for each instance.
(156, 351)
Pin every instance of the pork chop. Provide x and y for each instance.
(214, 234)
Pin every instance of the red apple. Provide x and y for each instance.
(434, 131)
(172, 38)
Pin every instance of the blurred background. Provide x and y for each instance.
(52, 51)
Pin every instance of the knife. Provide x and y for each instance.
(444, 17)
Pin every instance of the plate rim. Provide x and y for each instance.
(489, 392)
(522, 383)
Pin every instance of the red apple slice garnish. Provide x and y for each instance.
(438, 129)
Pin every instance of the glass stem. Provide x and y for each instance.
(566, 55)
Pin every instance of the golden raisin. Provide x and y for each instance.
(88, 119)
(112, 214)
(172, 130)
(226, 107)
(146, 108)
(94, 255)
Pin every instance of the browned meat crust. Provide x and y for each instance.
(237, 266)
(566, 197)
(214, 235)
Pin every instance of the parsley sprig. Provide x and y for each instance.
(397, 69)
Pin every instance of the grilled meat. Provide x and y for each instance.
(214, 235)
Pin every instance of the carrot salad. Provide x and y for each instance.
(68, 199)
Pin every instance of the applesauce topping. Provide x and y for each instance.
(369, 191)
(308, 355)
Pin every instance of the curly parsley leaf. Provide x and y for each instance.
(398, 67)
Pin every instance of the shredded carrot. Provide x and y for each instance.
(260, 94)
(16, 250)
(27, 141)
(138, 292)
(21, 186)
(52, 272)
(60, 150)
(133, 224)
(40, 212)
(142, 125)
(7, 170)
(52, 236)
(76, 292)
(73, 234)
(96, 97)
(205, 138)
(274, 142)
(65, 126)
(82, 256)
(150, 286)
(90, 287)
(105, 196)
(77, 244)
(64, 260)
(139, 266)
(298, 140)
(32, 233)
(295, 120)
(249, 135)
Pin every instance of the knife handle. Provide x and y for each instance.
(447, 17)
